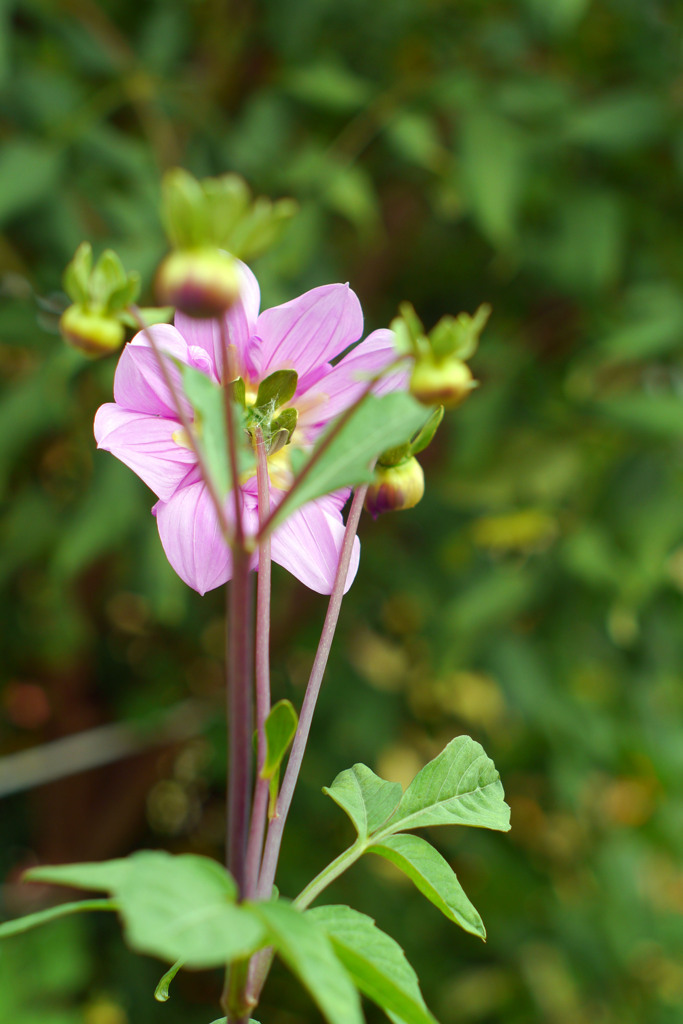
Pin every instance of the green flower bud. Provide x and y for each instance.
(395, 487)
(202, 283)
(93, 333)
(445, 382)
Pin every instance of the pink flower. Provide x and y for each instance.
(142, 429)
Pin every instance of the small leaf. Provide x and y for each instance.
(161, 992)
(276, 389)
(77, 275)
(376, 963)
(459, 787)
(208, 402)
(368, 800)
(379, 423)
(426, 435)
(307, 951)
(280, 728)
(23, 924)
(433, 876)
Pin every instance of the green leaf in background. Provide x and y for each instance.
(459, 787)
(655, 415)
(376, 963)
(23, 924)
(174, 907)
(368, 800)
(29, 172)
(433, 876)
(307, 951)
(560, 16)
(493, 166)
(379, 423)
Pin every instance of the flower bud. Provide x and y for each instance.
(93, 333)
(202, 283)
(446, 382)
(395, 488)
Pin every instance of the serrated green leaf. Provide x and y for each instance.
(459, 787)
(433, 876)
(280, 727)
(376, 963)
(368, 800)
(378, 424)
(276, 389)
(23, 924)
(307, 951)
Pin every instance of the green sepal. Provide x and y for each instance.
(276, 389)
(76, 278)
(458, 336)
(261, 227)
(239, 391)
(287, 420)
(226, 200)
(426, 435)
(183, 209)
(148, 315)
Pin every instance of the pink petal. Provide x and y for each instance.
(309, 542)
(310, 330)
(240, 321)
(344, 383)
(139, 383)
(192, 539)
(146, 445)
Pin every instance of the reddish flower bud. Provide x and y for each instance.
(395, 488)
(92, 333)
(447, 382)
(202, 283)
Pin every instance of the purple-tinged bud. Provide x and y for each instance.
(395, 488)
(202, 283)
(446, 382)
(92, 333)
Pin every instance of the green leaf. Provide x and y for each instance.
(368, 800)
(378, 424)
(107, 875)
(29, 172)
(280, 727)
(493, 161)
(23, 924)
(161, 992)
(174, 907)
(376, 963)
(433, 876)
(459, 787)
(277, 389)
(183, 908)
(208, 401)
(307, 951)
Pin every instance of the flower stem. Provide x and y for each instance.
(239, 707)
(260, 807)
(277, 823)
(229, 373)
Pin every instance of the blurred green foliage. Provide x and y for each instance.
(528, 154)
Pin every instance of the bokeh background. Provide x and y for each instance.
(528, 154)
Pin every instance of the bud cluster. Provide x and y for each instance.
(440, 374)
(100, 295)
(209, 223)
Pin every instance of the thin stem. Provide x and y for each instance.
(260, 807)
(229, 373)
(186, 423)
(239, 702)
(277, 824)
(328, 874)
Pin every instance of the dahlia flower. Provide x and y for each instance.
(142, 429)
